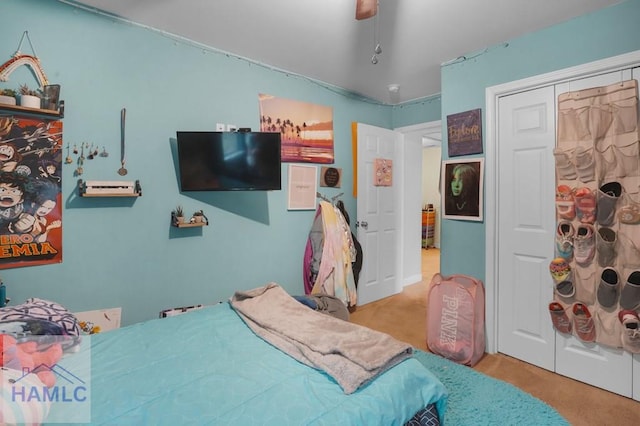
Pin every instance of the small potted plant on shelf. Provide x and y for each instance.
(29, 98)
(198, 217)
(8, 96)
(178, 215)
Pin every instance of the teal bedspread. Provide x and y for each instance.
(208, 367)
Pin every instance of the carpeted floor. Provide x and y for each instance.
(404, 317)
(476, 399)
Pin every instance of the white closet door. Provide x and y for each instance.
(526, 136)
(636, 357)
(598, 365)
(526, 139)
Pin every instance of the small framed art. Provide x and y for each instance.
(462, 189)
(303, 184)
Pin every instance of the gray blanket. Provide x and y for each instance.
(352, 354)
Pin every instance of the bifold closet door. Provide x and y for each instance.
(597, 364)
(636, 358)
(526, 139)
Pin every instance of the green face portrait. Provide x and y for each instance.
(456, 183)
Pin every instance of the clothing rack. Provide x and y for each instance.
(331, 200)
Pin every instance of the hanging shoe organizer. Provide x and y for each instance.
(596, 273)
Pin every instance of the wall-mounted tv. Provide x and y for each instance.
(229, 161)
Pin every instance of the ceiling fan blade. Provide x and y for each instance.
(365, 9)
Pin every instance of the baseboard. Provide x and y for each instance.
(412, 280)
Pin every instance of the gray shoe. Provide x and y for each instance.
(606, 240)
(630, 295)
(607, 198)
(608, 288)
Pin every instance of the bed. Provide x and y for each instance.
(209, 367)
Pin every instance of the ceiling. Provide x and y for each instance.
(323, 41)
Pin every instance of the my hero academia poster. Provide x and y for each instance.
(30, 192)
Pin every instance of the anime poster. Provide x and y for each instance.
(30, 192)
(306, 130)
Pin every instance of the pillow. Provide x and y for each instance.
(15, 409)
(41, 309)
(44, 333)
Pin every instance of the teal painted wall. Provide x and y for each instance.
(595, 36)
(420, 111)
(119, 252)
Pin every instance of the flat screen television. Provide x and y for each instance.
(229, 161)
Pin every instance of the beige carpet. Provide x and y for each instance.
(403, 316)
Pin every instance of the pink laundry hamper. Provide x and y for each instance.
(455, 318)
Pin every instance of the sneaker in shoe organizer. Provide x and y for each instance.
(583, 325)
(630, 330)
(585, 204)
(565, 204)
(606, 240)
(608, 288)
(562, 277)
(629, 211)
(630, 294)
(564, 239)
(559, 318)
(584, 244)
(607, 199)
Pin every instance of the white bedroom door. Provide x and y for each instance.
(379, 214)
(526, 138)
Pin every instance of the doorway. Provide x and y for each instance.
(427, 138)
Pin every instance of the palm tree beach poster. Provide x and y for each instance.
(306, 129)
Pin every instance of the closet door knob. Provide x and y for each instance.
(364, 224)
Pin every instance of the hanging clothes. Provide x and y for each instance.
(357, 262)
(329, 255)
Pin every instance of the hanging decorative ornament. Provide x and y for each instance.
(68, 160)
(20, 59)
(104, 152)
(90, 156)
(79, 169)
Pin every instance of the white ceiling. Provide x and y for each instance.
(322, 40)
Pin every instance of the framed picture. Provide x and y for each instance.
(330, 176)
(382, 172)
(303, 184)
(306, 129)
(462, 189)
(464, 133)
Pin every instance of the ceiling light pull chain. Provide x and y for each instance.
(376, 43)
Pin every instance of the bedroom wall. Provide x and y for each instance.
(123, 252)
(609, 32)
